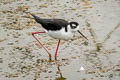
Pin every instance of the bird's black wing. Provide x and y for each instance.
(54, 24)
(36, 18)
(51, 24)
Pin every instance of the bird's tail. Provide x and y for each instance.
(36, 18)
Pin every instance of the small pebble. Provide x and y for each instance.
(1, 60)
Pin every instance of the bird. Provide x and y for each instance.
(57, 28)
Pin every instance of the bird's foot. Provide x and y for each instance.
(55, 58)
(50, 58)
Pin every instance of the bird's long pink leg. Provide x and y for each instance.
(41, 43)
(57, 50)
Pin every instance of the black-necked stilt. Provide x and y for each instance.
(58, 29)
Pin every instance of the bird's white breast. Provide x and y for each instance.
(60, 34)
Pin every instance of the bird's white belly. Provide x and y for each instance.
(60, 34)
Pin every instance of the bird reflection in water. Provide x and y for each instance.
(59, 71)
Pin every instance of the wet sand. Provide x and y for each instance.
(22, 58)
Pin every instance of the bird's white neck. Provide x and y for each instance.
(69, 28)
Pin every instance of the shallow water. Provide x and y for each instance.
(22, 58)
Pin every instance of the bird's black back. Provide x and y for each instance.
(51, 24)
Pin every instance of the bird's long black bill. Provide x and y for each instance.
(82, 34)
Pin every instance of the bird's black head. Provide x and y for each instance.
(75, 27)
